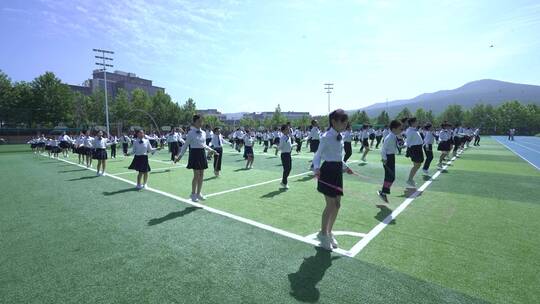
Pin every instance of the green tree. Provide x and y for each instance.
(6, 98)
(54, 98)
(431, 118)
(383, 118)
(121, 110)
(405, 113)
(420, 115)
(453, 114)
(278, 118)
(187, 110)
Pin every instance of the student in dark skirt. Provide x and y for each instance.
(365, 141)
(100, 144)
(141, 148)
(330, 175)
(314, 136)
(196, 141)
(414, 144)
(114, 141)
(48, 146)
(445, 142)
(388, 154)
(248, 150)
(88, 149)
(285, 146)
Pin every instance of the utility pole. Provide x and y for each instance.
(104, 64)
(328, 87)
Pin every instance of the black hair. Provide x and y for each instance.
(394, 124)
(412, 120)
(338, 115)
(427, 126)
(313, 122)
(284, 127)
(217, 129)
(197, 117)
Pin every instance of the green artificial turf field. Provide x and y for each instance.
(68, 236)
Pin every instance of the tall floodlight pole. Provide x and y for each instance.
(328, 87)
(104, 64)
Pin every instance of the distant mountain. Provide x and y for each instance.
(486, 91)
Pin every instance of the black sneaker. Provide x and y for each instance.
(383, 197)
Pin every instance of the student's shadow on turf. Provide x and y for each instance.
(305, 179)
(408, 192)
(241, 169)
(383, 213)
(74, 170)
(159, 172)
(362, 164)
(426, 177)
(311, 272)
(130, 189)
(273, 193)
(210, 178)
(172, 216)
(82, 178)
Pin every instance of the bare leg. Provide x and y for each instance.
(194, 182)
(414, 168)
(139, 178)
(200, 181)
(145, 177)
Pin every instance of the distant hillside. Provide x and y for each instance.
(485, 91)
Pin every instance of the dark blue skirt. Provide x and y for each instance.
(197, 159)
(331, 174)
(248, 150)
(140, 163)
(100, 154)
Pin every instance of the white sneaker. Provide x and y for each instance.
(201, 197)
(98, 174)
(282, 185)
(411, 184)
(333, 241)
(325, 241)
(138, 187)
(144, 186)
(439, 165)
(426, 172)
(194, 197)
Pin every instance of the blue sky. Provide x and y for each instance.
(251, 55)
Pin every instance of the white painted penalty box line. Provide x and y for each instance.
(262, 183)
(514, 151)
(355, 250)
(223, 213)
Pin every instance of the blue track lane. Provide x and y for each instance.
(526, 147)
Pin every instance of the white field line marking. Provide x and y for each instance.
(375, 231)
(269, 154)
(529, 143)
(514, 151)
(262, 183)
(154, 170)
(349, 233)
(223, 213)
(528, 148)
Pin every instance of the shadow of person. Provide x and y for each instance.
(383, 213)
(426, 177)
(82, 178)
(210, 178)
(240, 169)
(305, 178)
(172, 216)
(311, 272)
(130, 189)
(273, 193)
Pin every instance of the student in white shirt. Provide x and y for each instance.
(217, 145)
(445, 142)
(347, 142)
(414, 144)
(100, 144)
(378, 137)
(196, 141)
(388, 154)
(114, 141)
(314, 136)
(330, 175)
(88, 148)
(285, 146)
(364, 137)
(298, 139)
(476, 137)
(371, 132)
(55, 147)
(141, 148)
(429, 139)
(266, 140)
(248, 150)
(64, 143)
(125, 140)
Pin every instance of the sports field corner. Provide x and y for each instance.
(469, 236)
